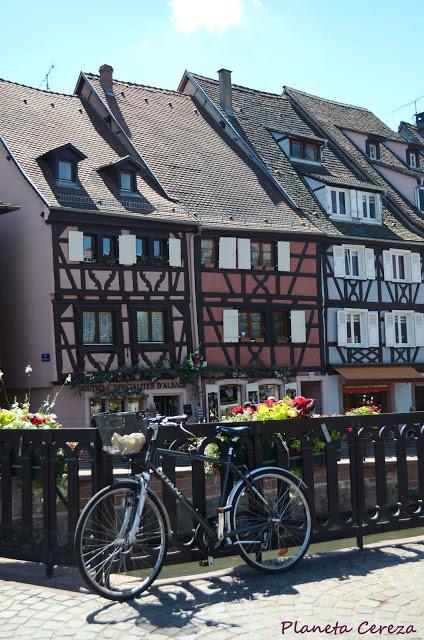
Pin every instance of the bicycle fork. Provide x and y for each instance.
(130, 537)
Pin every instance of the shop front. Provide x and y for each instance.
(389, 387)
(224, 395)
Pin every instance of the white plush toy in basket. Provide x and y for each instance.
(122, 433)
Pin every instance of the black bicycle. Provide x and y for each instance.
(122, 535)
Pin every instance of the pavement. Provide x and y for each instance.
(348, 590)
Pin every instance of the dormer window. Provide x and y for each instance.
(373, 150)
(420, 198)
(66, 171)
(412, 159)
(304, 150)
(127, 181)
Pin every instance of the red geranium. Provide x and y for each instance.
(237, 410)
(303, 405)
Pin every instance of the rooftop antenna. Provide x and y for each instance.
(46, 77)
(408, 104)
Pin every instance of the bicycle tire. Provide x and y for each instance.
(285, 555)
(152, 504)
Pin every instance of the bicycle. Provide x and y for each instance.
(122, 534)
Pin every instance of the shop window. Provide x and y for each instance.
(150, 326)
(261, 254)
(281, 326)
(134, 404)
(251, 325)
(97, 327)
(269, 391)
(208, 252)
(229, 397)
(97, 406)
(116, 405)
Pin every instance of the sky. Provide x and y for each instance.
(363, 52)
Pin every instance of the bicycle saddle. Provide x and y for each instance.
(233, 431)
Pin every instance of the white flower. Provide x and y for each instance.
(28, 369)
(1, 375)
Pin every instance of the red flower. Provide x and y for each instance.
(36, 419)
(270, 403)
(237, 410)
(303, 405)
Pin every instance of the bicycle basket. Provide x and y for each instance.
(125, 433)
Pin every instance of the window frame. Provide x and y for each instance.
(74, 171)
(303, 144)
(347, 214)
(214, 255)
(260, 263)
(367, 203)
(409, 320)
(94, 238)
(248, 337)
(376, 145)
(348, 249)
(132, 181)
(150, 311)
(274, 330)
(395, 254)
(412, 154)
(363, 328)
(420, 190)
(97, 311)
(113, 258)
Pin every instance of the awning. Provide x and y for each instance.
(384, 373)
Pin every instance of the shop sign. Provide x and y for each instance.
(141, 386)
(365, 388)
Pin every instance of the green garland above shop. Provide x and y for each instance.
(190, 372)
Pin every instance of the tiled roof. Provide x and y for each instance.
(416, 136)
(196, 164)
(256, 113)
(334, 118)
(34, 122)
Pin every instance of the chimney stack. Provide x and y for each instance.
(225, 92)
(419, 121)
(106, 78)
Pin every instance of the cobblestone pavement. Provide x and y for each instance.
(382, 585)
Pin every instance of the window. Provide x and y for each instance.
(208, 252)
(127, 181)
(412, 159)
(399, 267)
(353, 329)
(369, 209)
(261, 254)
(97, 327)
(65, 171)
(281, 326)
(109, 250)
(401, 328)
(420, 199)
(89, 248)
(338, 202)
(141, 251)
(353, 263)
(304, 150)
(373, 150)
(150, 326)
(251, 325)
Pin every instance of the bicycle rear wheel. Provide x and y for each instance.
(272, 512)
(112, 566)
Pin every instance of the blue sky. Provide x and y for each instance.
(365, 52)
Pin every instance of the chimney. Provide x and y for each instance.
(106, 78)
(419, 121)
(225, 96)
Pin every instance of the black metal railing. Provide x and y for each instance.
(369, 478)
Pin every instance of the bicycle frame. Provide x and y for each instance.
(185, 502)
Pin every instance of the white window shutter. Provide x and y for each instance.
(298, 326)
(416, 267)
(369, 264)
(231, 325)
(127, 250)
(243, 253)
(388, 266)
(174, 250)
(227, 253)
(419, 329)
(354, 203)
(252, 392)
(341, 329)
(76, 246)
(339, 261)
(373, 333)
(389, 328)
(283, 250)
(379, 206)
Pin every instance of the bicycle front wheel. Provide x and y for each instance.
(111, 564)
(272, 516)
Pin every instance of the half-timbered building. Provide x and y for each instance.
(95, 266)
(371, 260)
